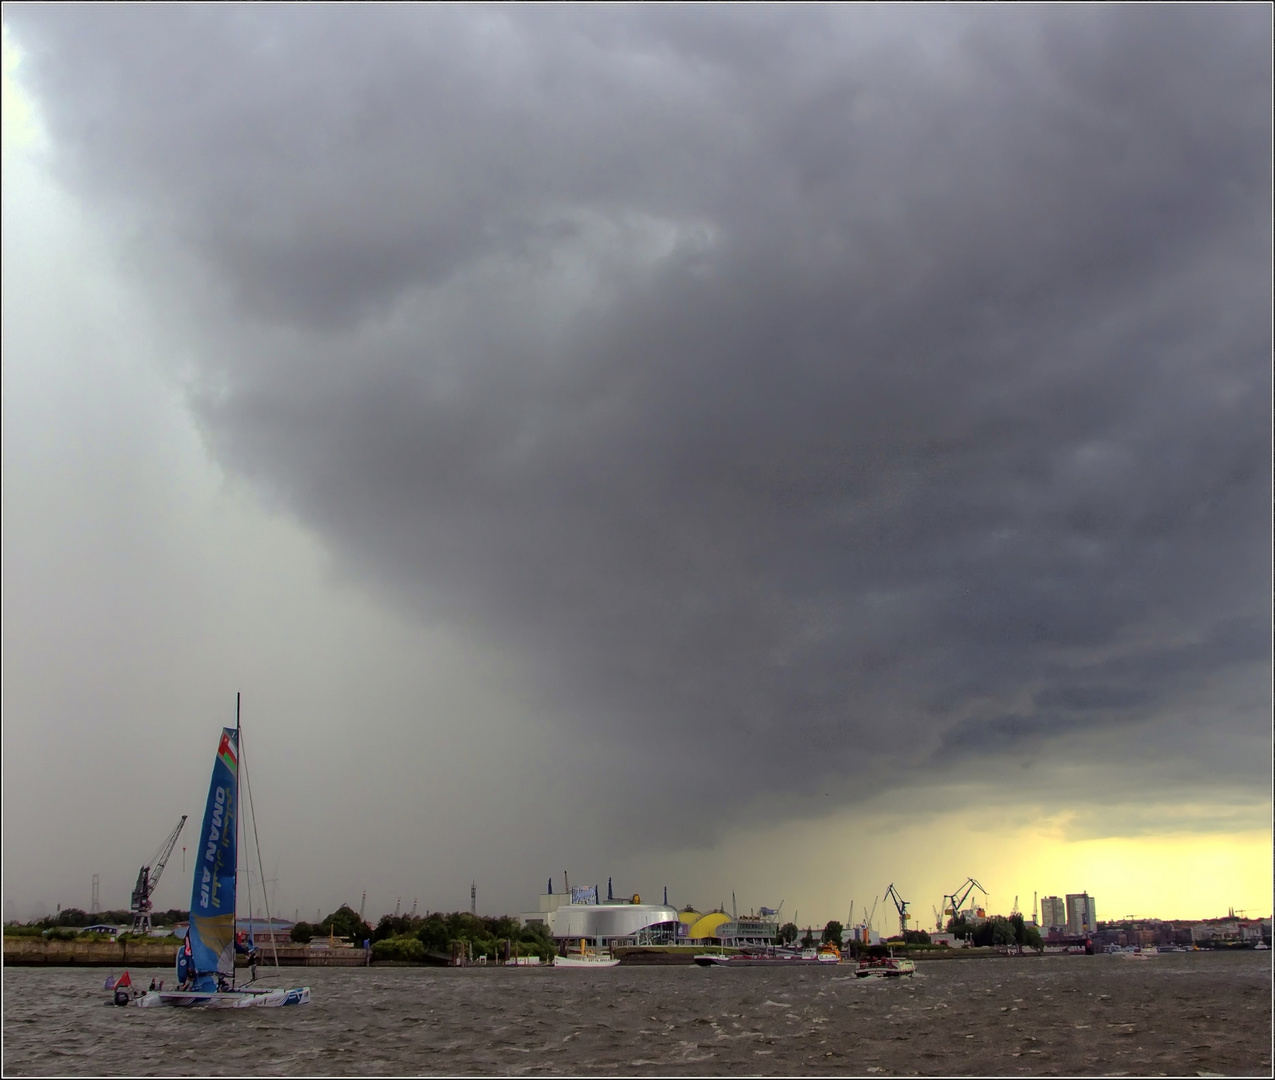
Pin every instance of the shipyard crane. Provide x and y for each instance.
(938, 919)
(893, 894)
(959, 896)
(141, 904)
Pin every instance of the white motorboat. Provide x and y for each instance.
(586, 959)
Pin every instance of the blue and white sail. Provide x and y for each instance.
(212, 901)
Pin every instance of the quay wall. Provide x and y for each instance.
(27, 952)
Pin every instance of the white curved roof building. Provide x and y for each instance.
(627, 924)
(604, 924)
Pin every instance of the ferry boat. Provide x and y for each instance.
(885, 967)
(775, 956)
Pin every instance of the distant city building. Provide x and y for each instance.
(1053, 912)
(1082, 917)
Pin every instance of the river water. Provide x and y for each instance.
(1178, 1014)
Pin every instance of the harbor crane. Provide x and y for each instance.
(148, 878)
(893, 894)
(959, 896)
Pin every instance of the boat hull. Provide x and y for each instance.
(896, 970)
(744, 960)
(225, 999)
(586, 962)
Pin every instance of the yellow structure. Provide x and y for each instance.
(706, 926)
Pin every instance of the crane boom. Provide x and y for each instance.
(146, 881)
(959, 896)
(902, 906)
(167, 850)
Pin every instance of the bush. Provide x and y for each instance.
(399, 948)
(302, 933)
(61, 933)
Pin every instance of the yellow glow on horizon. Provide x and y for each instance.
(819, 866)
(1186, 876)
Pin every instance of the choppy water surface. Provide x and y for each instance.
(1178, 1014)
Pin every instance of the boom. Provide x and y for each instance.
(959, 897)
(902, 905)
(146, 880)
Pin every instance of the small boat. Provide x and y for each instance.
(1261, 946)
(885, 967)
(1138, 953)
(586, 959)
(206, 959)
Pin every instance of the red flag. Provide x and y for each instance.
(123, 980)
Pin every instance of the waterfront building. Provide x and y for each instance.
(1082, 915)
(1053, 912)
(750, 930)
(618, 922)
(705, 929)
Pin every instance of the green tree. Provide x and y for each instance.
(788, 933)
(302, 933)
(832, 933)
(434, 934)
(399, 948)
(807, 939)
(346, 923)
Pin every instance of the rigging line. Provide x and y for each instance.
(243, 764)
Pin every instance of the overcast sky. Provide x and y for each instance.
(730, 448)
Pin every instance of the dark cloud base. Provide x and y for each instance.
(890, 387)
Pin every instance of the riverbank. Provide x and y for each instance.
(35, 952)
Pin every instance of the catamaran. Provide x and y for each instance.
(206, 960)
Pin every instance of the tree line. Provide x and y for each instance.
(415, 937)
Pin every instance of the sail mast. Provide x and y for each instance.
(238, 817)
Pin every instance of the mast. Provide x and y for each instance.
(239, 816)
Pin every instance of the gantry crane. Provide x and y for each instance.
(148, 878)
(893, 894)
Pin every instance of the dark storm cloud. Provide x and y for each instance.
(883, 383)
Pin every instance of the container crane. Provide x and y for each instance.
(141, 903)
(893, 894)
